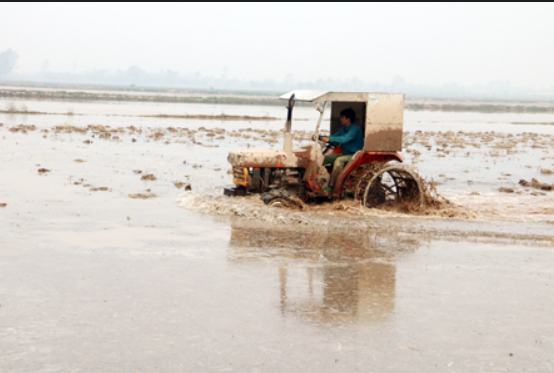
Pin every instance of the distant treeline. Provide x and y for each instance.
(263, 101)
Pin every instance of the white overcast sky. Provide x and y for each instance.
(424, 43)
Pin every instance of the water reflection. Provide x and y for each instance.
(327, 276)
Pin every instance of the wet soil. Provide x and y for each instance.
(534, 183)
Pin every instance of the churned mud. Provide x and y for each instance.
(474, 165)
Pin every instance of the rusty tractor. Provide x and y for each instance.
(373, 175)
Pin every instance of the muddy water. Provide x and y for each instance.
(417, 119)
(147, 108)
(94, 280)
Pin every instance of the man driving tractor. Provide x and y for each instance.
(351, 140)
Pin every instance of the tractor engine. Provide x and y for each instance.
(259, 180)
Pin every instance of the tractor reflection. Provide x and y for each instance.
(327, 276)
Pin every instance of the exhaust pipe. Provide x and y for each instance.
(288, 127)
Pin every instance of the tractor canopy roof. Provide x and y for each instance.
(380, 116)
(307, 95)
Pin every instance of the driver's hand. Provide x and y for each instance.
(324, 139)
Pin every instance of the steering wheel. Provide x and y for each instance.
(326, 145)
(323, 145)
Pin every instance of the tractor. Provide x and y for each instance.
(373, 175)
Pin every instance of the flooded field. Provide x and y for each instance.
(120, 253)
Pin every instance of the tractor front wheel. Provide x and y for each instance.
(281, 198)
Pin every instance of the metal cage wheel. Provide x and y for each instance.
(394, 186)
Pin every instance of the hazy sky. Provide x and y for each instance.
(424, 43)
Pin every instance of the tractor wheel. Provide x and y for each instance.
(351, 185)
(278, 202)
(363, 180)
(281, 198)
(393, 186)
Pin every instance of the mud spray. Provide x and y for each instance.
(324, 214)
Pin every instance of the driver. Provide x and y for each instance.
(351, 139)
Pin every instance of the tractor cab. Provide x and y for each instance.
(379, 115)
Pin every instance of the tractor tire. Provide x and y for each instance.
(281, 198)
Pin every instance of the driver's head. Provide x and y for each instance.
(347, 116)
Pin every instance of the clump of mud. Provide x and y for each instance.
(534, 183)
(148, 177)
(180, 184)
(505, 190)
(142, 195)
(69, 129)
(23, 128)
(3, 204)
(43, 170)
(100, 189)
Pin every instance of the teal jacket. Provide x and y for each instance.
(350, 138)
